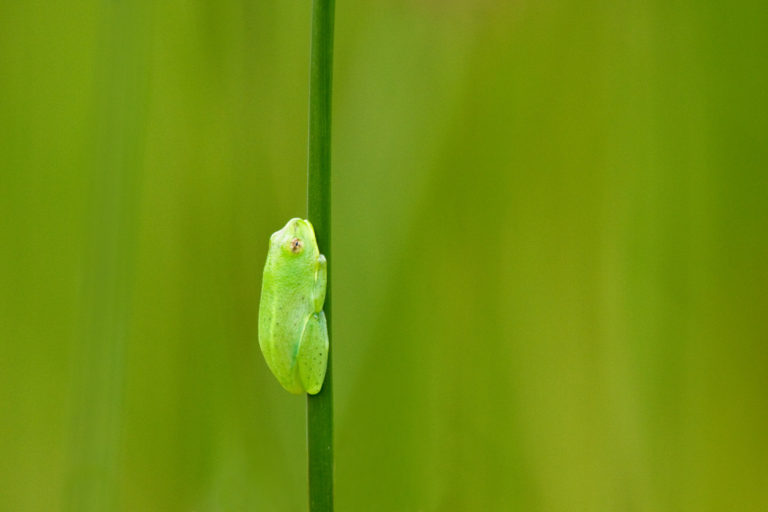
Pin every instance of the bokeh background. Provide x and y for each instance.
(550, 254)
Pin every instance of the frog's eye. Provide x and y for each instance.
(296, 245)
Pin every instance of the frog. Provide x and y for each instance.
(292, 329)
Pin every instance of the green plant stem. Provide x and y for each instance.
(320, 406)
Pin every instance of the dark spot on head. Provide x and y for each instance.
(296, 245)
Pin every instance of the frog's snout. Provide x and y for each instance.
(295, 224)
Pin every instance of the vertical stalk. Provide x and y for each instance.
(320, 406)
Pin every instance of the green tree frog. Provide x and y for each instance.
(293, 334)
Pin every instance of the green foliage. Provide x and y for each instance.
(549, 271)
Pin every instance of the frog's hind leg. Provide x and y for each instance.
(313, 353)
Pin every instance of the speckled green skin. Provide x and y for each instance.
(292, 331)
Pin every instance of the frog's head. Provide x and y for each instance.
(295, 240)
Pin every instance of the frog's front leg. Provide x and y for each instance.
(321, 279)
(312, 357)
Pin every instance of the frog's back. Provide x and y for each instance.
(285, 306)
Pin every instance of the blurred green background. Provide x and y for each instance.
(550, 259)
